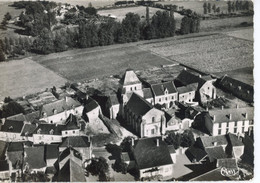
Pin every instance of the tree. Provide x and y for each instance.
(43, 44)
(2, 55)
(173, 139)
(229, 6)
(214, 8)
(12, 108)
(7, 45)
(205, 7)
(237, 5)
(89, 4)
(147, 15)
(130, 25)
(209, 7)
(60, 42)
(218, 10)
(7, 16)
(187, 138)
(185, 25)
(233, 6)
(98, 166)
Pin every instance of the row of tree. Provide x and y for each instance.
(185, 139)
(207, 8)
(237, 6)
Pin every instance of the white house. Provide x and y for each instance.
(11, 130)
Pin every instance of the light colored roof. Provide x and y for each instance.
(129, 78)
(208, 141)
(237, 114)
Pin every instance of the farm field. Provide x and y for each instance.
(23, 77)
(209, 53)
(90, 64)
(95, 3)
(247, 34)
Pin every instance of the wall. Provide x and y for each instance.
(8, 136)
(67, 133)
(187, 97)
(170, 99)
(46, 139)
(166, 170)
(93, 115)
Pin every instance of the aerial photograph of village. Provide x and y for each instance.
(126, 90)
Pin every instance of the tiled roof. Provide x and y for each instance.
(187, 88)
(90, 105)
(35, 157)
(147, 93)
(12, 126)
(69, 151)
(32, 116)
(233, 140)
(77, 141)
(159, 89)
(15, 146)
(208, 141)
(71, 123)
(16, 158)
(129, 78)
(237, 114)
(227, 163)
(51, 151)
(28, 129)
(216, 152)
(113, 100)
(59, 106)
(4, 165)
(195, 152)
(49, 129)
(138, 105)
(148, 155)
(71, 172)
(3, 147)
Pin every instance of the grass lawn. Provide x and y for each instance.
(23, 77)
(95, 63)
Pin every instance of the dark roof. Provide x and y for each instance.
(3, 147)
(59, 106)
(71, 123)
(113, 99)
(69, 151)
(49, 129)
(148, 155)
(77, 141)
(187, 77)
(192, 111)
(195, 152)
(129, 78)
(90, 105)
(12, 126)
(159, 89)
(51, 151)
(15, 146)
(17, 117)
(171, 149)
(32, 116)
(138, 105)
(28, 129)
(147, 93)
(237, 114)
(35, 157)
(16, 158)
(227, 163)
(187, 88)
(213, 175)
(208, 141)
(71, 172)
(216, 152)
(233, 140)
(4, 165)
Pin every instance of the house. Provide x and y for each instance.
(213, 148)
(4, 171)
(239, 89)
(187, 93)
(58, 111)
(46, 133)
(152, 158)
(165, 94)
(112, 106)
(80, 143)
(91, 110)
(11, 130)
(51, 154)
(205, 90)
(146, 120)
(34, 159)
(233, 120)
(148, 95)
(71, 127)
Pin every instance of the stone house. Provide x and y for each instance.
(187, 93)
(146, 120)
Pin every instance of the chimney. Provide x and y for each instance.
(207, 108)
(246, 115)
(3, 121)
(66, 99)
(230, 116)
(133, 142)
(215, 143)
(239, 87)
(157, 143)
(222, 107)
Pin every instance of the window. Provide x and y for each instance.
(66, 132)
(219, 125)
(153, 119)
(227, 125)
(173, 97)
(73, 131)
(51, 121)
(236, 124)
(135, 87)
(160, 100)
(166, 98)
(219, 131)
(131, 88)
(235, 130)
(243, 129)
(152, 131)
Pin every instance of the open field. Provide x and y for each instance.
(91, 63)
(209, 53)
(247, 34)
(22, 77)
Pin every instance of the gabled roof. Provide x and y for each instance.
(32, 116)
(71, 172)
(129, 78)
(188, 88)
(192, 111)
(237, 114)
(12, 126)
(35, 157)
(49, 129)
(187, 77)
(159, 89)
(51, 151)
(211, 141)
(216, 152)
(71, 123)
(147, 93)
(76, 141)
(138, 105)
(148, 155)
(59, 106)
(90, 105)
(113, 100)
(69, 152)
(28, 129)
(195, 152)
